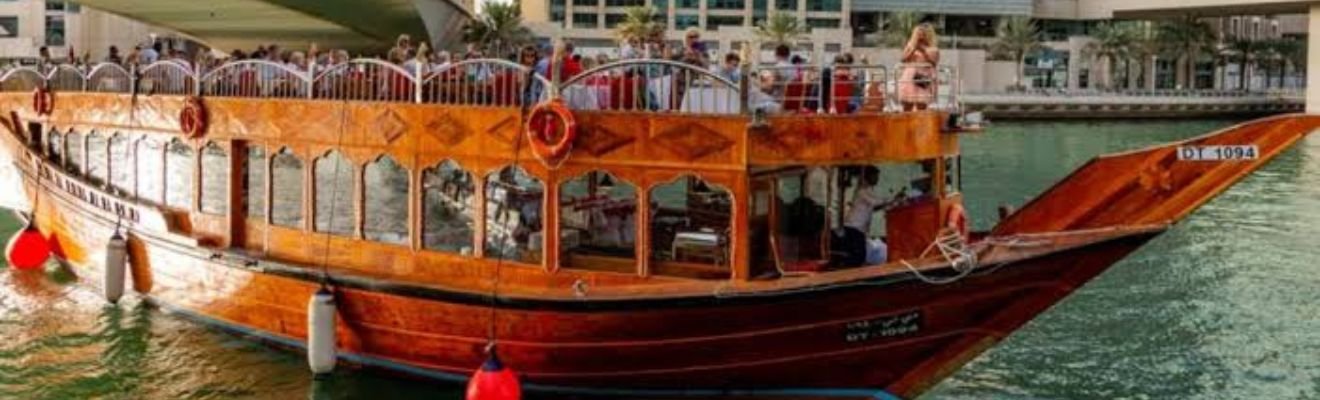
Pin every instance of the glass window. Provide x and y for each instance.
(334, 194)
(96, 158)
(726, 4)
(179, 175)
(8, 26)
(55, 146)
(686, 21)
(613, 20)
(215, 180)
(824, 5)
(121, 163)
(513, 215)
(255, 182)
(75, 151)
(286, 191)
(54, 30)
(583, 20)
(447, 201)
(625, 3)
(785, 5)
(597, 223)
(150, 170)
(585, 3)
(55, 5)
(687, 3)
(386, 201)
(690, 228)
(714, 22)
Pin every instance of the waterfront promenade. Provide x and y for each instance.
(1051, 104)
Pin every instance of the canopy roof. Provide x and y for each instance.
(352, 24)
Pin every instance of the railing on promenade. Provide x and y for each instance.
(639, 85)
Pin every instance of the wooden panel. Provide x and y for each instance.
(851, 139)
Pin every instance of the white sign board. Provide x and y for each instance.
(1218, 153)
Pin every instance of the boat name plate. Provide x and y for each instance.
(888, 326)
(1218, 153)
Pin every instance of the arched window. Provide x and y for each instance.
(597, 223)
(513, 215)
(55, 146)
(121, 163)
(286, 190)
(179, 175)
(151, 170)
(448, 215)
(690, 222)
(255, 182)
(386, 201)
(334, 194)
(96, 158)
(75, 143)
(215, 180)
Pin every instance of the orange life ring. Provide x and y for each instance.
(192, 119)
(957, 219)
(43, 101)
(541, 131)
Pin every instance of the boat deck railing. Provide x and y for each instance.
(643, 85)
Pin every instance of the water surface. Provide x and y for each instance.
(1220, 307)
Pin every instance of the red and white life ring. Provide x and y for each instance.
(957, 219)
(192, 119)
(43, 101)
(545, 120)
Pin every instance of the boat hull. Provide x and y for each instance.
(895, 333)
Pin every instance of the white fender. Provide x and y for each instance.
(116, 255)
(321, 332)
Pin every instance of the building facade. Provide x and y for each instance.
(27, 25)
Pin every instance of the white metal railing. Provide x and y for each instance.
(366, 80)
(652, 85)
(645, 85)
(484, 82)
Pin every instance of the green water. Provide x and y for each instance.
(1220, 307)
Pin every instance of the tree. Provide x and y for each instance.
(1284, 53)
(1190, 37)
(499, 29)
(1146, 45)
(781, 28)
(640, 24)
(897, 28)
(1110, 45)
(1246, 51)
(1018, 37)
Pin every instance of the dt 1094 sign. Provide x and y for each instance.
(1217, 153)
(883, 327)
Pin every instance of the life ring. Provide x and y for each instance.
(957, 219)
(43, 101)
(540, 132)
(192, 119)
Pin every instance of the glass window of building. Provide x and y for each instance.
(597, 223)
(686, 21)
(8, 26)
(448, 213)
(824, 5)
(785, 5)
(97, 158)
(179, 175)
(715, 22)
(254, 182)
(215, 180)
(334, 194)
(55, 30)
(513, 215)
(693, 4)
(625, 3)
(613, 20)
(54, 5)
(726, 4)
(286, 189)
(386, 201)
(585, 20)
(121, 163)
(151, 171)
(690, 228)
(585, 3)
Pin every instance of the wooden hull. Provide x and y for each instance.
(894, 333)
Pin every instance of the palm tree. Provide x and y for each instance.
(781, 28)
(499, 29)
(1018, 37)
(1246, 52)
(1191, 37)
(897, 28)
(640, 24)
(1282, 53)
(1110, 44)
(1146, 45)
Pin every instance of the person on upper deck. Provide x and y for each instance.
(729, 69)
(114, 57)
(916, 85)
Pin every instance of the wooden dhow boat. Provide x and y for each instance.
(642, 228)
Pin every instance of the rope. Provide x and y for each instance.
(334, 196)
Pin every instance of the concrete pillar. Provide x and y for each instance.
(1313, 61)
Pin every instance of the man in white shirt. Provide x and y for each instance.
(854, 246)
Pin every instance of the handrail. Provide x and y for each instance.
(650, 85)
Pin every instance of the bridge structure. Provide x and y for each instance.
(357, 25)
(1150, 9)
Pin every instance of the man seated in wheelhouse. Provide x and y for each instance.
(853, 245)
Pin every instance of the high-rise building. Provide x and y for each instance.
(27, 25)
